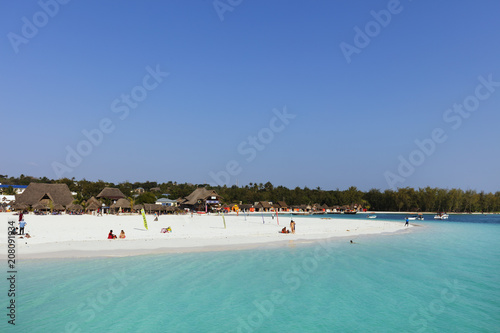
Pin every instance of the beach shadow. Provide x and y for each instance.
(140, 229)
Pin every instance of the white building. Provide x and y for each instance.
(166, 202)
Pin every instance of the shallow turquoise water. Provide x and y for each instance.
(442, 277)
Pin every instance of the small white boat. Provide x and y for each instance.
(372, 216)
(411, 218)
(441, 216)
(420, 217)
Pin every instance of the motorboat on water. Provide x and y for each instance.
(371, 216)
(420, 217)
(441, 216)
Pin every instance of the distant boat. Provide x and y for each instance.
(350, 212)
(411, 218)
(420, 217)
(441, 216)
(372, 216)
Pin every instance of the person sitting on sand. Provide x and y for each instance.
(122, 234)
(110, 235)
(284, 231)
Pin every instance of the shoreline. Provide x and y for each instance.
(132, 252)
(83, 236)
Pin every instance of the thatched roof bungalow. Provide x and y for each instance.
(138, 207)
(152, 208)
(200, 198)
(283, 206)
(36, 193)
(75, 208)
(40, 206)
(111, 193)
(263, 206)
(58, 207)
(19, 206)
(121, 204)
(247, 207)
(93, 204)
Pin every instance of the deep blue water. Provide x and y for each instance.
(443, 276)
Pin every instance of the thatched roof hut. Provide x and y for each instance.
(201, 197)
(121, 204)
(138, 207)
(263, 206)
(74, 208)
(282, 204)
(40, 206)
(246, 207)
(58, 207)
(93, 206)
(94, 200)
(157, 208)
(36, 192)
(19, 206)
(111, 193)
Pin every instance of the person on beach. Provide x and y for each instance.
(406, 223)
(110, 235)
(284, 231)
(122, 234)
(22, 224)
(292, 226)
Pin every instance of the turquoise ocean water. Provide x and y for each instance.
(441, 277)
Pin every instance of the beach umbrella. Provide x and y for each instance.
(58, 207)
(74, 208)
(40, 206)
(19, 206)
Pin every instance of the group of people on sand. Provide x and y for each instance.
(22, 224)
(292, 228)
(113, 236)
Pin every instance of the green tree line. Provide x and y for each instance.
(426, 199)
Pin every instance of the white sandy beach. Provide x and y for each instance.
(77, 236)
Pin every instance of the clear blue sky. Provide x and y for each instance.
(353, 120)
